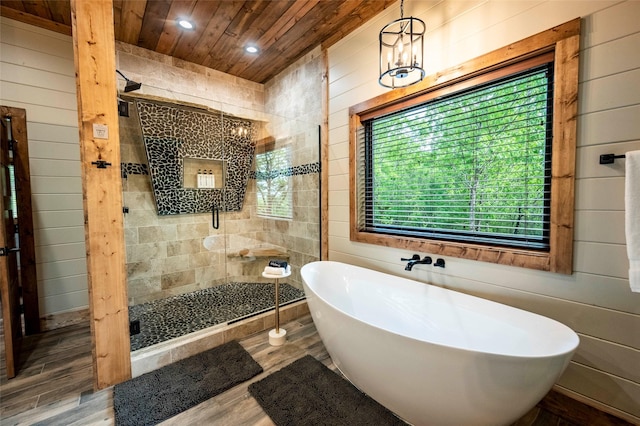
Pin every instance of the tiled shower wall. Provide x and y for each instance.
(175, 254)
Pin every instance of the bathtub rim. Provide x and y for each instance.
(567, 349)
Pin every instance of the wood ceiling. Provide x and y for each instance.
(283, 30)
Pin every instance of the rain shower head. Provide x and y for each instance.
(131, 85)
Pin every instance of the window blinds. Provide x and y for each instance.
(474, 165)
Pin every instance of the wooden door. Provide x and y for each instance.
(9, 284)
(26, 238)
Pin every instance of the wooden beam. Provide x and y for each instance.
(94, 52)
(36, 21)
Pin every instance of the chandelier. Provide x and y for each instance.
(401, 51)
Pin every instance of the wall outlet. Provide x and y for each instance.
(134, 327)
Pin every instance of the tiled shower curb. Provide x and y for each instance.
(153, 357)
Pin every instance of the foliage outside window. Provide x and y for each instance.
(274, 183)
(469, 166)
(14, 198)
(478, 166)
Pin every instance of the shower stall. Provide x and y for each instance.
(209, 199)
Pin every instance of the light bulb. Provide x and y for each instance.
(186, 24)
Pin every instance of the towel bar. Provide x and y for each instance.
(609, 158)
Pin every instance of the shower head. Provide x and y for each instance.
(131, 85)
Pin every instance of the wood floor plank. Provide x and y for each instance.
(43, 413)
(72, 386)
(46, 382)
(56, 387)
(98, 410)
(12, 408)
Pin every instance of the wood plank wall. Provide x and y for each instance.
(595, 300)
(37, 74)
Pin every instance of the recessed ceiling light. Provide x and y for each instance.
(251, 49)
(186, 24)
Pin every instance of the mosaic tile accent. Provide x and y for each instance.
(304, 169)
(133, 169)
(176, 316)
(171, 133)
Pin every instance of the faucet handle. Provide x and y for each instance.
(414, 257)
(439, 263)
(427, 260)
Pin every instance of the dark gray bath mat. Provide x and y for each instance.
(306, 392)
(160, 394)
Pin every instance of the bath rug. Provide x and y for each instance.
(308, 393)
(158, 395)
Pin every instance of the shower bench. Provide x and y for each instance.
(251, 262)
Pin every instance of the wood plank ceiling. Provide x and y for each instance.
(283, 30)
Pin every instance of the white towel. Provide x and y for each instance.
(277, 271)
(632, 216)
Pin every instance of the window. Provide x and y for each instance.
(478, 166)
(468, 166)
(273, 183)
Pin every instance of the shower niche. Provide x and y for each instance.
(203, 174)
(198, 159)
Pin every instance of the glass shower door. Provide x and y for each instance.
(211, 198)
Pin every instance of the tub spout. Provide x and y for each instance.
(424, 261)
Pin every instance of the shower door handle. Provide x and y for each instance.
(215, 217)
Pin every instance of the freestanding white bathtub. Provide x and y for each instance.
(431, 355)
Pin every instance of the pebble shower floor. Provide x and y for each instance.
(175, 316)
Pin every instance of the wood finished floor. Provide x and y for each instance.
(55, 387)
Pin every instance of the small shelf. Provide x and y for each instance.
(259, 253)
(273, 276)
(193, 166)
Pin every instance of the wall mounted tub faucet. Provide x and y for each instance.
(414, 257)
(415, 260)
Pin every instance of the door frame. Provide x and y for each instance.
(22, 174)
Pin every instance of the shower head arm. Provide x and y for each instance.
(122, 75)
(130, 85)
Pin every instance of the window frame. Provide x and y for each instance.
(563, 42)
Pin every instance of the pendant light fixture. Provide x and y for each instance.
(401, 51)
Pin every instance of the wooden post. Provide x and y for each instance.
(94, 52)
